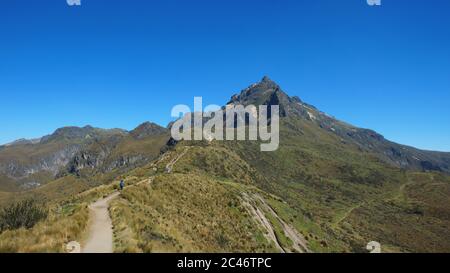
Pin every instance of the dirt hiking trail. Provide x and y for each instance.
(100, 239)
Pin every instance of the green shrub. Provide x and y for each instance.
(24, 214)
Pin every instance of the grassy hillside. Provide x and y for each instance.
(205, 197)
(179, 213)
(8, 184)
(350, 195)
(206, 203)
(336, 196)
(413, 218)
(4, 198)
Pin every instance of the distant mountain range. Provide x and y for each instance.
(73, 150)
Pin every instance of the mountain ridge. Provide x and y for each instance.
(72, 149)
(267, 92)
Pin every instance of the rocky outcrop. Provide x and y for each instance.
(51, 162)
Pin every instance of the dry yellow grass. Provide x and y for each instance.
(184, 213)
(67, 221)
(63, 225)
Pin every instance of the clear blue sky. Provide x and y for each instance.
(117, 63)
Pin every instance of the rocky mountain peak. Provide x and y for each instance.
(268, 92)
(266, 80)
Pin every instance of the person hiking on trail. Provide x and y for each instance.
(122, 185)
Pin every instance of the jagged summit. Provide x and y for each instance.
(268, 92)
(268, 81)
